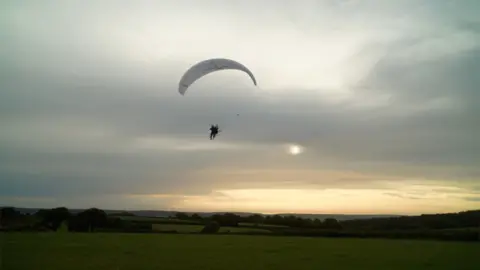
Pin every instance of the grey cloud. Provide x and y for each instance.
(60, 173)
(326, 129)
(65, 83)
(433, 136)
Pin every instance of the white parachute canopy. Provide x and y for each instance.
(205, 67)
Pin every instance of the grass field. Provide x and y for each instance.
(177, 227)
(109, 251)
(262, 225)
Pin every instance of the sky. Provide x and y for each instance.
(378, 100)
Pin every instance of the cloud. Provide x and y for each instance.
(401, 196)
(378, 94)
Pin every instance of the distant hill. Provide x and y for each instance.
(339, 217)
(161, 213)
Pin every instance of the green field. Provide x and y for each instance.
(177, 227)
(262, 225)
(111, 251)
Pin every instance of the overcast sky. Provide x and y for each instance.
(381, 96)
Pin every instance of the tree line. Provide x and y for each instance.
(465, 219)
(453, 226)
(52, 219)
(255, 220)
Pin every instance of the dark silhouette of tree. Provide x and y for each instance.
(227, 219)
(196, 217)
(181, 216)
(317, 223)
(9, 212)
(88, 220)
(255, 219)
(467, 219)
(8, 215)
(211, 227)
(54, 217)
(331, 223)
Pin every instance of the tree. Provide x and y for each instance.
(181, 216)
(196, 217)
(255, 219)
(317, 223)
(227, 219)
(8, 214)
(211, 227)
(88, 220)
(331, 223)
(54, 217)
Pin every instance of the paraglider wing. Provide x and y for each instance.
(208, 66)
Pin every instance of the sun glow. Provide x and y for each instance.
(295, 149)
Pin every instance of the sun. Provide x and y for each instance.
(295, 149)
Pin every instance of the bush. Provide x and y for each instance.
(211, 227)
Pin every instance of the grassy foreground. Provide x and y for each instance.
(110, 251)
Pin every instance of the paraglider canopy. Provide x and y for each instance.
(208, 66)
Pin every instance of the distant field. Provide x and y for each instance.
(111, 251)
(262, 225)
(188, 226)
(197, 228)
(156, 219)
(177, 227)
